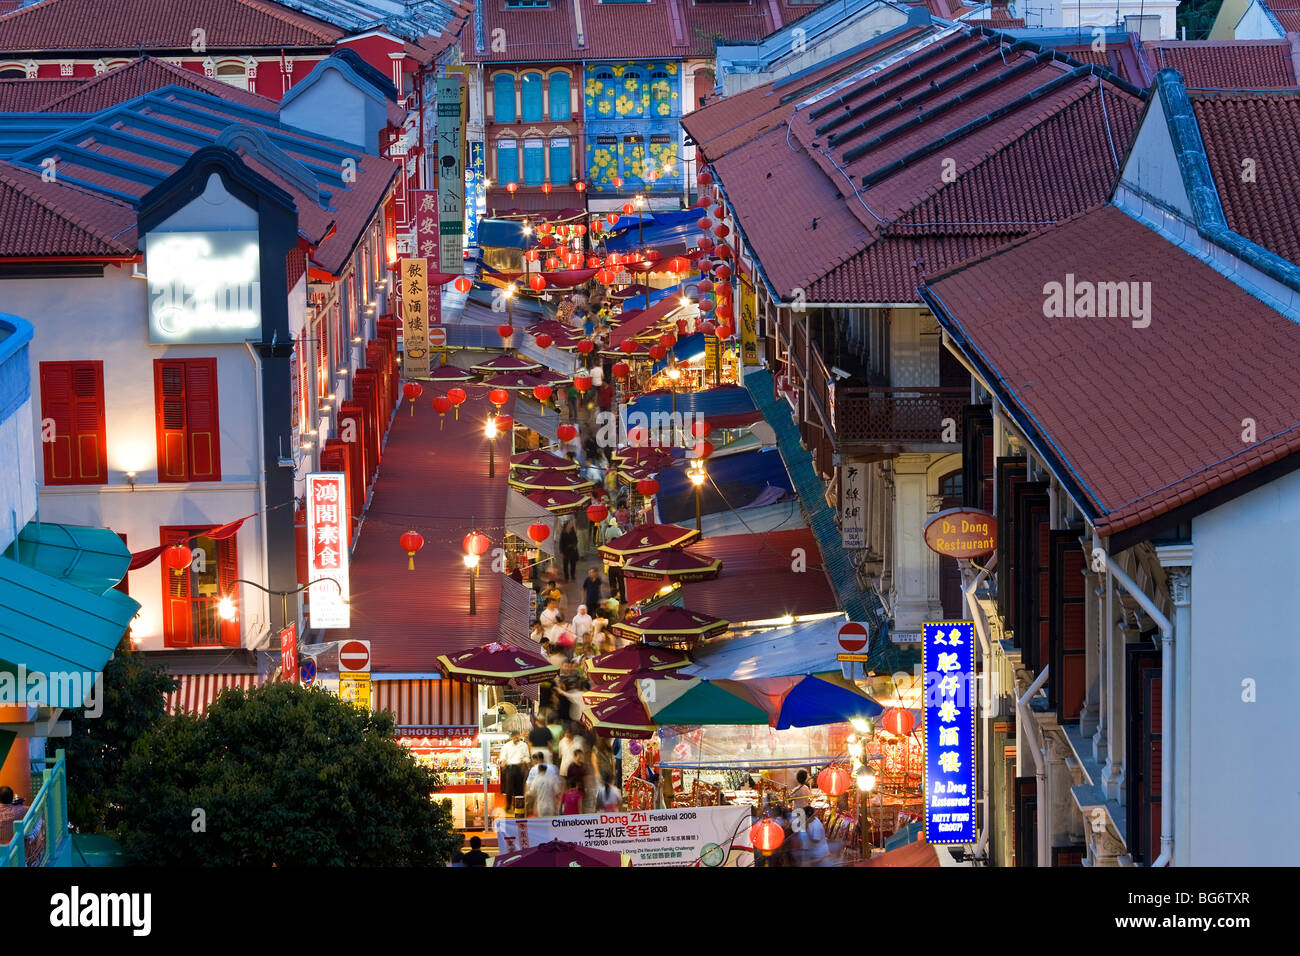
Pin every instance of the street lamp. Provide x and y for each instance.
(510, 304)
(227, 610)
(491, 431)
(674, 373)
(866, 780)
(697, 476)
(471, 562)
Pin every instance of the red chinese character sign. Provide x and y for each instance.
(413, 279)
(327, 549)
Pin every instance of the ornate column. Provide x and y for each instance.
(1090, 715)
(910, 555)
(1177, 561)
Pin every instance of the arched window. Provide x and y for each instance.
(631, 94)
(233, 74)
(13, 73)
(534, 162)
(661, 93)
(507, 161)
(560, 107)
(503, 98)
(531, 95)
(561, 163)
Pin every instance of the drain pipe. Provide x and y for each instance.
(1101, 562)
(981, 628)
(1024, 719)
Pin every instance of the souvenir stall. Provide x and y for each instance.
(457, 755)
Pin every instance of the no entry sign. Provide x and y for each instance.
(437, 338)
(354, 656)
(853, 637)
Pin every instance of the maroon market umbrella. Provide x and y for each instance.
(625, 715)
(636, 659)
(550, 479)
(541, 460)
(505, 363)
(631, 292)
(551, 377)
(558, 854)
(450, 373)
(672, 566)
(496, 664)
(559, 502)
(646, 539)
(670, 625)
(653, 458)
(631, 474)
(517, 381)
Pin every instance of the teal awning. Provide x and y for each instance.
(93, 559)
(708, 704)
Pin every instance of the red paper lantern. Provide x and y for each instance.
(539, 532)
(441, 405)
(596, 513)
(542, 392)
(411, 542)
(573, 259)
(505, 423)
(546, 242)
(653, 255)
(612, 218)
(679, 264)
(724, 312)
(545, 228)
(705, 286)
(701, 429)
(616, 182)
(705, 243)
(586, 346)
(721, 230)
(412, 391)
(703, 202)
(476, 543)
(582, 383)
(566, 432)
(614, 259)
(543, 341)
(667, 340)
(628, 346)
(707, 305)
(594, 262)
(719, 212)
(726, 331)
(511, 187)
(580, 186)
(897, 721)
(498, 397)
(723, 251)
(177, 557)
(704, 225)
(505, 331)
(833, 781)
(463, 284)
(628, 209)
(708, 328)
(606, 276)
(766, 835)
(597, 225)
(647, 487)
(701, 449)
(704, 178)
(657, 352)
(638, 437)
(552, 263)
(620, 370)
(579, 230)
(532, 255)
(723, 271)
(536, 282)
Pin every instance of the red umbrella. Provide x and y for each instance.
(519, 381)
(623, 716)
(540, 460)
(550, 479)
(450, 373)
(670, 625)
(559, 502)
(672, 565)
(646, 539)
(653, 458)
(550, 377)
(505, 363)
(559, 854)
(637, 659)
(496, 664)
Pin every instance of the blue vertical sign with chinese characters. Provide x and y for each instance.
(475, 191)
(949, 722)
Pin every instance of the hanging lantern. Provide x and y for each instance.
(545, 228)
(476, 543)
(897, 721)
(705, 243)
(833, 781)
(573, 260)
(580, 186)
(606, 276)
(612, 218)
(552, 263)
(597, 225)
(457, 396)
(705, 286)
(704, 178)
(701, 449)
(704, 225)
(616, 182)
(653, 255)
(647, 487)
(582, 383)
(542, 392)
(441, 405)
(719, 212)
(543, 340)
(766, 835)
(463, 284)
(723, 251)
(701, 429)
(566, 432)
(579, 230)
(679, 264)
(706, 304)
(177, 557)
(638, 437)
(411, 542)
(594, 262)
(723, 271)
(547, 242)
(546, 188)
(667, 340)
(628, 346)
(536, 282)
(562, 230)
(703, 202)
(724, 312)
(614, 259)
(412, 391)
(511, 187)
(619, 370)
(628, 209)
(657, 352)
(505, 331)
(505, 423)
(708, 328)
(586, 346)
(596, 513)
(532, 255)
(539, 532)
(721, 230)
(726, 331)
(498, 397)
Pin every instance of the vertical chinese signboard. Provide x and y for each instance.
(424, 226)
(853, 505)
(451, 177)
(415, 317)
(475, 191)
(748, 323)
(327, 549)
(949, 724)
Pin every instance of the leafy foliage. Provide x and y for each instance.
(1198, 17)
(283, 776)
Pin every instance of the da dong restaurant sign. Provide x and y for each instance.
(962, 533)
(204, 287)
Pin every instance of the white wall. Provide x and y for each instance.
(1152, 166)
(1091, 13)
(1245, 780)
(334, 107)
(1255, 25)
(17, 472)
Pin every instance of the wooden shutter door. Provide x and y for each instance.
(1066, 681)
(1025, 833)
(977, 456)
(88, 422)
(1032, 506)
(169, 394)
(177, 620)
(202, 420)
(57, 405)
(1142, 687)
(1011, 473)
(227, 572)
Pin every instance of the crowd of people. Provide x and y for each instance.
(570, 770)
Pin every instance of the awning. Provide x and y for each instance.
(807, 648)
(530, 415)
(520, 513)
(919, 853)
(667, 229)
(197, 691)
(517, 604)
(426, 702)
(502, 233)
(689, 348)
(727, 406)
(735, 481)
(644, 321)
(93, 559)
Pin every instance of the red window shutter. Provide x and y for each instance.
(88, 422)
(56, 406)
(169, 396)
(202, 420)
(123, 585)
(227, 572)
(177, 619)
(72, 396)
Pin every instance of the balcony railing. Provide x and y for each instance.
(39, 834)
(895, 415)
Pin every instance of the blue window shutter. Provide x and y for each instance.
(531, 96)
(559, 97)
(507, 161)
(503, 96)
(534, 163)
(561, 172)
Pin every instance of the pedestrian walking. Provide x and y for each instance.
(569, 549)
(546, 791)
(591, 588)
(515, 758)
(572, 395)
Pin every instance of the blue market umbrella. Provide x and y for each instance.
(815, 701)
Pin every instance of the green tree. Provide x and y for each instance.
(280, 776)
(133, 704)
(1198, 17)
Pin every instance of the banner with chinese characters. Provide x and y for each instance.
(475, 191)
(748, 323)
(424, 222)
(451, 177)
(949, 731)
(415, 317)
(691, 836)
(327, 549)
(853, 505)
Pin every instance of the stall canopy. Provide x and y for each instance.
(644, 321)
(807, 648)
(753, 478)
(689, 348)
(521, 512)
(502, 233)
(661, 229)
(726, 406)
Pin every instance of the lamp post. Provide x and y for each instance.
(227, 609)
(697, 476)
(509, 292)
(471, 563)
(674, 373)
(490, 430)
(866, 780)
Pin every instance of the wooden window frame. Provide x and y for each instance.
(75, 436)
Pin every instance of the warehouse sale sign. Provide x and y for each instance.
(690, 836)
(949, 723)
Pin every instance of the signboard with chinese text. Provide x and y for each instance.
(289, 653)
(413, 281)
(748, 322)
(691, 836)
(949, 728)
(424, 222)
(451, 177)
(327, 549)
(204, 287)
(475, 191)
(853, 505)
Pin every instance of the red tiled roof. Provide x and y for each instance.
(1227, 64)
(1262, 127)
(160, 25)
(29, 96)
(1290, 19)
(1075, 378)
(54, 219)
(433, 479)
(144, 75)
